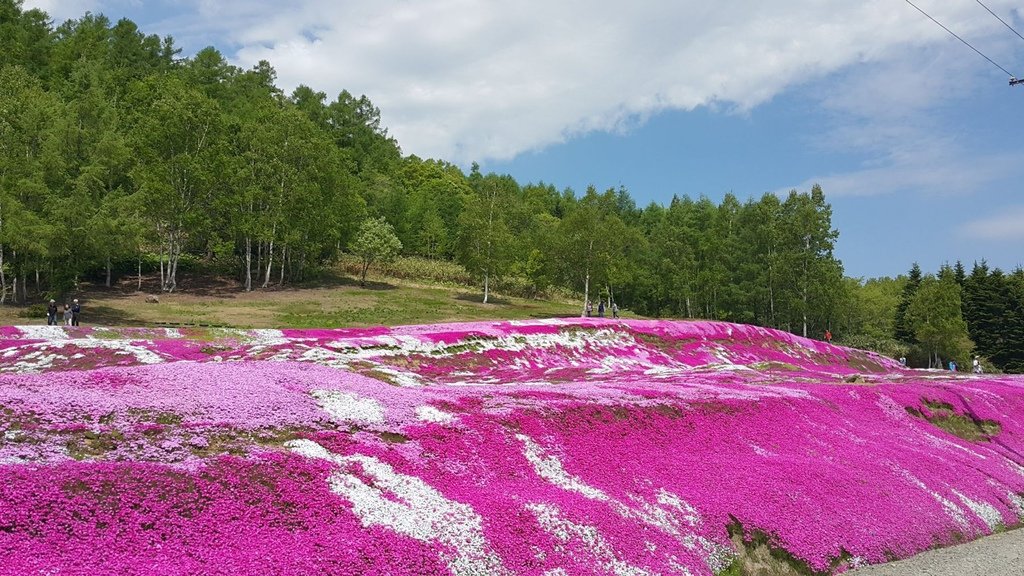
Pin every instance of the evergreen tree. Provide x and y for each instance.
(902, 329)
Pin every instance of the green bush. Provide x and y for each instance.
(34, 311)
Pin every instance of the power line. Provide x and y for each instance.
(966, 43)
(1000, 19)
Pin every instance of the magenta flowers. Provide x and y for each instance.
(547, 447)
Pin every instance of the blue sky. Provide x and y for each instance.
(915, 139)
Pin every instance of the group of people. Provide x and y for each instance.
(70, 316)
(975, 366)
(600, 309)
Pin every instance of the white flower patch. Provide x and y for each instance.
(267, 337)
(760, 451)
(943, 443)
(955, 512)
(891, 408)
(670, 513)
(50, 333)
(550, 468)
(172, 333)
(347, 407)
(987, 512)
(567, 531)
(431, 414)
(1018, 504)
(1014, 466)
(409, 506)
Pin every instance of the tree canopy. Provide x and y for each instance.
(117, 154)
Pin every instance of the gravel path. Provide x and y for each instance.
(998, 555)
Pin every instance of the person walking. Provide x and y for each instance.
(76, 309)
(600, 309)
(615, 310)
(67, 314)
(828, 336)
(976, 365)
(590, 308)
(51, 313)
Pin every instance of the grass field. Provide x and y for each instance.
(334, 300)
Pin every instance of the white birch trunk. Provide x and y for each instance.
(248, 264)
(270, 264)
(284, 260)
(3, 279)
(487, 279)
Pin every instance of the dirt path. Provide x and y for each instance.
(997, 555)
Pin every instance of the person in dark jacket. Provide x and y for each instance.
(51, 313)
(76, 309)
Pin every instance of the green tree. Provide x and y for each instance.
(485, 240)
(902, 328)
(178, 141)
(934, 316)
(375, 242)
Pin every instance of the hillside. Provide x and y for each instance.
(543, 447)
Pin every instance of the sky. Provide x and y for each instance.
(915, 138)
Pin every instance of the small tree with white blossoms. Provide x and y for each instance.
(375, 242)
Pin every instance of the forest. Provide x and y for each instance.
(120, 156)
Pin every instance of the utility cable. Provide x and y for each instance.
(966, 43)
(1000, 19)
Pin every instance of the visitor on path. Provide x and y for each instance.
(600, 309)
(76, 309)
(51, 313)
(615, 310)
(828, 336)
(976, 366)
(590, 308)
(952, 365)
(903, 361)
(67, 314)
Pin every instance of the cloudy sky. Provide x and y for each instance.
(916, 139)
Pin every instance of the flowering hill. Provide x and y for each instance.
(544, 447)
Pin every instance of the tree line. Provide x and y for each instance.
(117, 154)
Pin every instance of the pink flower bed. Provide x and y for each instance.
(543, 447)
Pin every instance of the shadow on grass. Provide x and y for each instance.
(477, 298)
(107, 316)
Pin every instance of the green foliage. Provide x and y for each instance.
(375, 242)
(113, 149)
(937, 321)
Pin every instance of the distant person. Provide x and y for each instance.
(952, 366)
(590, 308)
(67, 314)
(51, 313)
(903, 361)
(76, 309)
(828, 336)
(976, 365)
(600, 309)
(615, 310)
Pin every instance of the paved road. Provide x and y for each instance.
(998, 555)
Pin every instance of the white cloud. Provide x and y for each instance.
(61, 10)
(1007, 225)
(476, 80)
(470, 79)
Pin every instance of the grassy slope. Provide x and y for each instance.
(334, 301)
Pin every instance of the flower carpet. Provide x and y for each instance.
(548, 447)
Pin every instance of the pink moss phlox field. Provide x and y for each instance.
(548, 447)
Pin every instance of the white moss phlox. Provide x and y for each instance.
(347, 407)
(409, 506)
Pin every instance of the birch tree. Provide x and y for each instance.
(178, 143)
